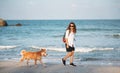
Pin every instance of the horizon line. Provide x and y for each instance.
(60, 19)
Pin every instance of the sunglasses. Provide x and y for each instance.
(71, 26)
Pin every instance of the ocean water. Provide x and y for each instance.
(97, 41)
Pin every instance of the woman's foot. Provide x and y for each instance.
(64, 62)
(72, 64)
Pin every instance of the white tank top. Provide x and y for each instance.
(70, 36)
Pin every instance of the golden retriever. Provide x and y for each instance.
(26, 55)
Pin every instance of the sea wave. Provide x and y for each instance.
(98, 29)
(7, 47)
(91, 49)
(76, 50)
(114, 35)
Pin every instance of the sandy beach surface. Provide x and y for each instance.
(15, 67)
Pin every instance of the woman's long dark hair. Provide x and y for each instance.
(68, 28)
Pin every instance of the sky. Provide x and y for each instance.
(60, 9)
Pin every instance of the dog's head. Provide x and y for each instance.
(43, 52)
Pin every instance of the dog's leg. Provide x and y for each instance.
(35, 62)
(42, 63)
(21, 60)
(27, 62)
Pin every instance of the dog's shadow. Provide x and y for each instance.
(24, 68)
(31, 65)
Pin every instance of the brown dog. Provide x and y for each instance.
(33, 56)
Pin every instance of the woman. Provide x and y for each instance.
(70, 48)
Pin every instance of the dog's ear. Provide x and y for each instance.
(42, 49)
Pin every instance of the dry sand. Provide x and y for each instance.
(15, 67)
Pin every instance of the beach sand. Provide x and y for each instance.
(15, 67)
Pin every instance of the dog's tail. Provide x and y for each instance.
(23, 52)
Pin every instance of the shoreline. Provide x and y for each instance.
(14, 67)
(76, 61)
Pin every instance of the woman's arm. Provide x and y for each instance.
(66, 38)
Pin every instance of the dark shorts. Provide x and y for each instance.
(70, 49)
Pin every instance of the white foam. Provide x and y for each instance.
(52, 49)
(76, 50)
(117, 34)
(36, 47)
(7, 47)
(91, 49)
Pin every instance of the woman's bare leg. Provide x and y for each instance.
(72, 57)
(67, 56)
